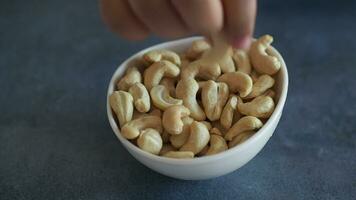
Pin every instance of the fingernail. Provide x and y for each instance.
(241, 42)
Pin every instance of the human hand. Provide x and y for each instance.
(136, 19)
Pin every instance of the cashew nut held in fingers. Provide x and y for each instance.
(172, 119)
(240, 138)
(150, 140)
(262, 84)
(179, 140)
(170, 84)
(158, 70)
(214, 96)
(261, 106)
(132, 129)
(247, 123)
(179, 154)
(197, 48)
(187, 90)
(261, 60)
(242, 61)
(141, 97)
(122, 104)
(227, 114)
(217, 145)
(198, 138)
(132, 76)
(158, 55)
(237, 82)
(161, 98)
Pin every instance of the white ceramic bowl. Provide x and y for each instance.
(209, 166)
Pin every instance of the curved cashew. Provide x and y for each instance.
(141, 97)
(154, 112)
(179, 154)
(132, 129)
(201, 68)
(261, 106)
(150, 140)
(158, 70)
(198, 138)
(172, 119)
(132, 76)
(237, 82)
(215, 131)
(227, 114)
(214, 96)
(170, 84)
(242, 61)
(179, 140)
(187, 90)
(262, 84)
(158, 55)
(122, 104)
(197, 48)
(247, 123)
(165, 148)
(217, 145)
(260, 58)
(240, 138)
(161, 98)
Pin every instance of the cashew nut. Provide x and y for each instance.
(217, 145)
(228, 112)
(158, 55)
(214, 96)
(132, 129)
(242, 61)
(161, 98)
(261, 85)
(172, 119)
(141, 97)
(240, 138)
(247, 123)
(215, 131)
(237, 82)
(131, 77)
(154, 112)
(261, 106)
(201, 68)
(122, 104)
(187, 90)
(165, 148)
(261, 60)
(150, 140)
(198, 138)
(179, 154)
(197, 48)
(179, 140)
(170, 84)
(158, 70)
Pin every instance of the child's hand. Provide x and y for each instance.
(135, 19)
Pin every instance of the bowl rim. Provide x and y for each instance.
(198, 160)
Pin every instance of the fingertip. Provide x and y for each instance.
(241, 42)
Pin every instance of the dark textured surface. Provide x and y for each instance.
(56, 59)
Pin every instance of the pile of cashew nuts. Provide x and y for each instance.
(196, 103)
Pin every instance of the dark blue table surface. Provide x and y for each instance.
(56, 59)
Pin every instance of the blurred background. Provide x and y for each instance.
(57, 57)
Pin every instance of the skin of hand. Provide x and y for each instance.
(136, 19)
